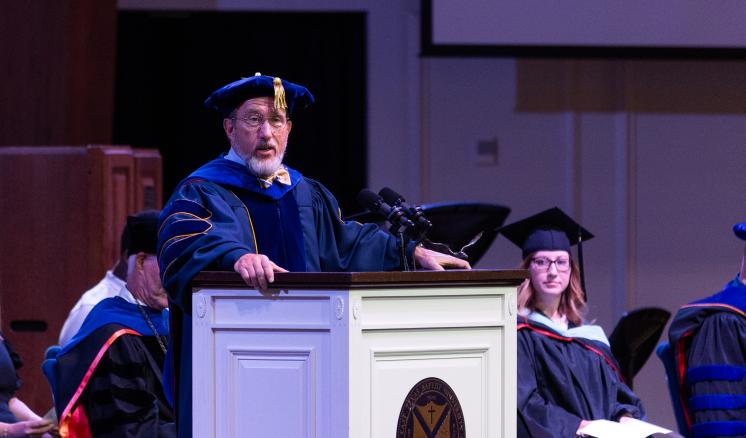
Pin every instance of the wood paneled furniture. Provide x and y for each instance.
(63, 209)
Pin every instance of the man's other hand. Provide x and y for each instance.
(257, 270)
(437, 261)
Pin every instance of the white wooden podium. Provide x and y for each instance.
(356, 355)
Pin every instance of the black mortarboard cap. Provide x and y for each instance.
(287, 95)
(550, 230)
(740, 230)
(142, 229)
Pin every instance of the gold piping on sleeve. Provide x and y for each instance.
(180, 237)
(209, 214)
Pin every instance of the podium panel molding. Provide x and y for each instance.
(338, 360)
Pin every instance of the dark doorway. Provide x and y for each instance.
(169, 62)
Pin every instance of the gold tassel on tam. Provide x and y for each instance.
(279, 95)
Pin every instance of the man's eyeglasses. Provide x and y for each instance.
(543, 263)
(276, 121)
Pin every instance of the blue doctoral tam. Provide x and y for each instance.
(287, 95)
(740, 230)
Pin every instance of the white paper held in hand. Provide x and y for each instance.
(629, 429)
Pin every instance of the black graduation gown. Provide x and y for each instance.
(563, 380)
(108, 377)
(708, 338)
(121, 400)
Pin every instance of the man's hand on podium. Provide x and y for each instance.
(257, 270)
(436, 261)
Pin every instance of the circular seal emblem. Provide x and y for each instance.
(431, 410)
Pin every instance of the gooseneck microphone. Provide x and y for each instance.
(422, 224)
(376, 204)
(400, 224)
(415, 214)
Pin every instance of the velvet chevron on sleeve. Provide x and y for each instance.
(201, 226)
(708, 338)
(123, 401)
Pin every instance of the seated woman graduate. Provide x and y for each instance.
(567, 375)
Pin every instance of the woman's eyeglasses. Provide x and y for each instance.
(543, 263)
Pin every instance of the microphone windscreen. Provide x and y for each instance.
(368, 199)
(390, 196)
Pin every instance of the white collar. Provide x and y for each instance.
(233, 156)
(126, 295)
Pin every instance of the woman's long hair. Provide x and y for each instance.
(572, 305)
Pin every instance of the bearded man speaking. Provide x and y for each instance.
(248, 212)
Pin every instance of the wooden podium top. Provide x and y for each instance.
(353, 280)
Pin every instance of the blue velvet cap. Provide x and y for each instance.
(142, 231)
(225, 99)
(550, 230)
(740, 230)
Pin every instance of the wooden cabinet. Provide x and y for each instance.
(63, 209)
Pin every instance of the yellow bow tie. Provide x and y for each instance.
(281, 176)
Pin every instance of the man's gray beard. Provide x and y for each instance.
(264, 168)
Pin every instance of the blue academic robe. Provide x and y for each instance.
(221, 212)
(708, 338)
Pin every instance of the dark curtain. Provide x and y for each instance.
(169, 62)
